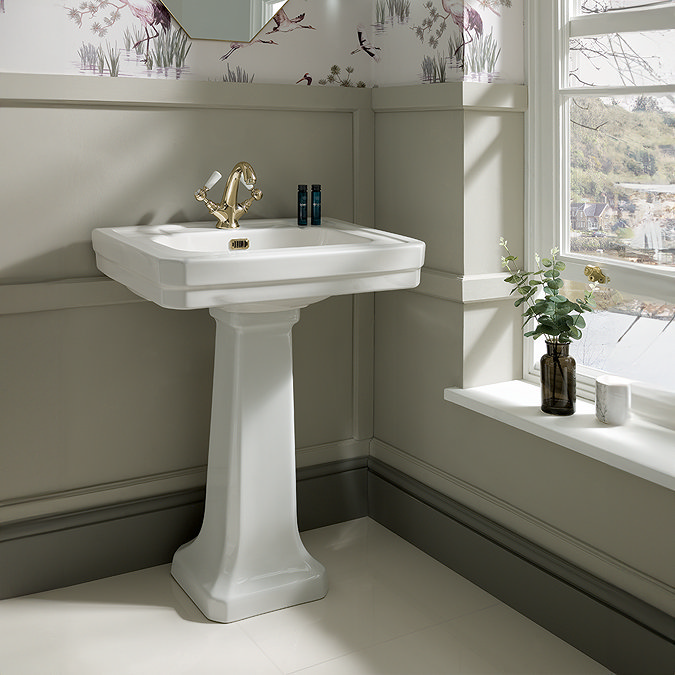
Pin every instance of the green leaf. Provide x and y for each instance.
(559, 299)
(546, 262)
(551, 274)
(537, 332)
(559, 265)
(553, 332)
(555, 284)
(514, 278)
(547, 311)
(519, 302)
(575, 332)
(579, 321)
(523, 290)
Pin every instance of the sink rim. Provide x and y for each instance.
(257, 280)
(142, 237)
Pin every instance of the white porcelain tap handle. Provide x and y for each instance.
(213, 179)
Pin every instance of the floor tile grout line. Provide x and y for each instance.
(380, 643)
(400, 541)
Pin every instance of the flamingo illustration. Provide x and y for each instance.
(306, 77)
(239, 45)
(152, 13)
(365, 45)
(285, 25)
(465, 18)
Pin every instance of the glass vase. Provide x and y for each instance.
(558, 380)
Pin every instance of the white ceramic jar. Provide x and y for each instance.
(612, 399)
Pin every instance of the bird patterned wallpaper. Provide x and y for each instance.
(349, 43)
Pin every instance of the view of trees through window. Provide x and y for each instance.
(622, 178)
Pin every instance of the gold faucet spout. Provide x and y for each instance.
(229, 210)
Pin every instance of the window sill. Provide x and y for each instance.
(639, 447)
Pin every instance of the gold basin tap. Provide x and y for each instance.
(229, 211)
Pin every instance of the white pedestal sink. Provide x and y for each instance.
(248, 557)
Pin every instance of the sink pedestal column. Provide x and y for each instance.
(248, 557)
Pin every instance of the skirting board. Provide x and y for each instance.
(616, 629)
(43, 553)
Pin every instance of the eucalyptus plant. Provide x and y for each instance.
(557, 317)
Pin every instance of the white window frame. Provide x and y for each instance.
(549, 28)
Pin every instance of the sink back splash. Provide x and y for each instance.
(402, 42)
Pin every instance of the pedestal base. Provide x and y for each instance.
(248, 557)
(229, 596)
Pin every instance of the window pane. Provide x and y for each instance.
(627, 335)
(599, 6)
(622, 178)
(622, 59)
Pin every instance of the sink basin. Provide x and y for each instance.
(265, 265)
(248, 557)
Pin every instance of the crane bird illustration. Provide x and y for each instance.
(152, 13)
(465, 18)
(284, 25)
(305, 78)
(240, 45)
(365, 45)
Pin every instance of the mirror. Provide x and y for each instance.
(232, 20)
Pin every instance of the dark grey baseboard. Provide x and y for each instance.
(65, 549)
(616, 629)
(613, 627)
(332, 493)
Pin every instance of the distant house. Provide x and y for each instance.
(589, 217)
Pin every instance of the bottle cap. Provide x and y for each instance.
(316, 187)
(302, 188)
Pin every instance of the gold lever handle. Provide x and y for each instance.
(595, 274)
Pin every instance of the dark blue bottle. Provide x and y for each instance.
(316, 205)
(302, 205)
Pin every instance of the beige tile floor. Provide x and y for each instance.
(390, 610)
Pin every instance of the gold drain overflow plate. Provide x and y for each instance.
(239, 244)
